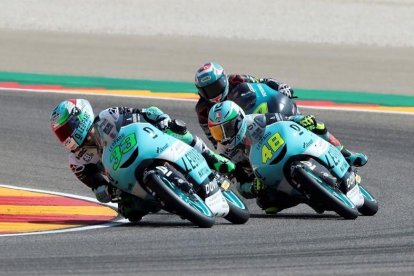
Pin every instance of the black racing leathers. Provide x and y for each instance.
(203, 105)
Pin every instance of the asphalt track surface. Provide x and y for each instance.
(295, 242)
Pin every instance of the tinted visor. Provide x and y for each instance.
(66, 130)
(225, 132)
(215, 89)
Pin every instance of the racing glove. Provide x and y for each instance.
(158, 117)
(278, 86)
(308, 121)
(286, 90)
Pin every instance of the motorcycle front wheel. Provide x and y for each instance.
(238, 213)
(188, 205)
(370, 206)
(318, 190)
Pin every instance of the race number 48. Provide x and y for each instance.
(271, 146)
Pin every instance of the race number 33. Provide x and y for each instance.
(122, 148)
(271, 146)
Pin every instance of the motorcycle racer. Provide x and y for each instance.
(234, 132)
(214, 85)
(74, 124)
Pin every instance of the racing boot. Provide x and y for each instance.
(309, 122)
(134, 208)
(217, 162)
(356, 159)
(272, 201)
(251, 190)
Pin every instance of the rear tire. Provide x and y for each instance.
(189, 206)
(331, 198)
(370, 206)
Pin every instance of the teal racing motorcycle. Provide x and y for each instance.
(294, 160)
(159, 168)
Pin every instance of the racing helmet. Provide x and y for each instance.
(71, 122)
(211, 82)
(227, 123)
(107, 126)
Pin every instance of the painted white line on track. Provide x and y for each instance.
(116, 222)
(194, 100)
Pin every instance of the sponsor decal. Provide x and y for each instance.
(262, 91)
(205, 79)
(211, 187)
(87, 157)
(192, 159)
(307, 144)
(161, 149)
(203, 171)
(107, 129)
(218, 115)
(262, 139)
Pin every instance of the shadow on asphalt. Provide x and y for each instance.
(298, 216)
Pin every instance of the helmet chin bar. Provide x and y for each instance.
(216, 99)
(70, 144)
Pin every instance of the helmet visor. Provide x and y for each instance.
(226, 131)
(66, 130)
(215, 89)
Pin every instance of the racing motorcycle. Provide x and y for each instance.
(157, 167)
(299, 163)
(258, 98)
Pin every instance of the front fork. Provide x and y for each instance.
(209, 191)
(213, 196)
(348, 184)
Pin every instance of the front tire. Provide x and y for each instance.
(310, 184)
(238, 213)
(370, 206)
(189, 206)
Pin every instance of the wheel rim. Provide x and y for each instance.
(332, 191)
(231, 197)
(193, 200)
(366, 194)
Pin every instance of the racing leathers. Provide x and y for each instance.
(270, 199)
(266, 99)
(86, 163)
(203, 105)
